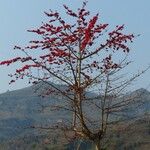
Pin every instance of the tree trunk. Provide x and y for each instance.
(97, 145)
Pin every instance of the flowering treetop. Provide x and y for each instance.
(62, 45)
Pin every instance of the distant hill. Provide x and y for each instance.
(23, 108)
(20, 109)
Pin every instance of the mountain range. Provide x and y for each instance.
(22, 108)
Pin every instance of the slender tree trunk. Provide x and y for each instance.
(78, 146)
(97, 145)
(74, 118)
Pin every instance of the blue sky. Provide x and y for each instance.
(17, 16)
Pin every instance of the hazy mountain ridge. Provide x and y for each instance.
(21, 108)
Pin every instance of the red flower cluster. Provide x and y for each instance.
(59, 53)
(26, 67)
(88, 32)
(38, 31)
(100, 28)
(70, 12)
(24, 59)
(8, 62)
(117, 39)
(56, 14)
(32, 47)
(108, 64)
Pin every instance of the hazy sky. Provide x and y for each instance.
(16, 16)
